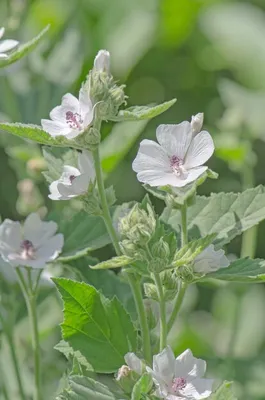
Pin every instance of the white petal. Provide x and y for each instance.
(134, 363)
(151, 156)
(200, 150)
(85, 102)
(188, 366)
(198, 389)
(70, 103)
(164, 363)
(58, 114)
(196, 123)
(38, 231)
(55, 128)
(54, 192)
(7, 45)
(175, 139)
(10, 236)
(68, 171)
(51, 248)
(159, 178)
(3, 56)
(86, 163)
(159, 382)
(66, 191)
(80, 184)
(194, 174)
(102, 61)
(210, 260)
(2, 32)
(73, 133)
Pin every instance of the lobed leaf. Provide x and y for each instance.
(138, 113)
(229, 214)
(99, 328)
(23, 49)
(242, 270)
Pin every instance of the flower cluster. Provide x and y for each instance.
(175, 378)
(6, 45)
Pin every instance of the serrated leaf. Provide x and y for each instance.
(242, 270)
(99, 328)
(224, 392)
(23, 49)
(82, 232)
(115, 262)
(228, 214)
(65, 348)
(137, 113)
(142, 386)
(189, 252)
(84, 388)
(34, 133)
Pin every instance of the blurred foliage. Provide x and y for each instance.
(210, 54)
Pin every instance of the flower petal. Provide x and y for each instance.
(3, 56)
(55, 128)
(210, 260)
(188, 366)
(151, 156)
(7, 45)
(200, 150)
(198, 389)
(175, 139)
(102, 61)
(68, 171)
(85, 103)
(164, 363)
(196, 123)
(2, 32)
(70, 103)
(50, 249)
(38, 231)
(86, 163)
(80, 184)
(10, 236)
(134, 363)
(160, 178)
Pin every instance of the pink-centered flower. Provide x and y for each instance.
(72, 117)
(180, 378)
(6, 45)
(33, 244)
(178, 157)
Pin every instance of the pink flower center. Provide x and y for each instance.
(178, 384)
(27, 250)
(72, 178)
(176, 164)
(74, 120)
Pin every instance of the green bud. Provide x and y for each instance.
(186, 273)
(161, 250)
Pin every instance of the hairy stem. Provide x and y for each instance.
(162, 309)
(30, 299)
(134, 284)
(11, 343)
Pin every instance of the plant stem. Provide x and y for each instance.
(10, 339)
(162, 308)
(182, 285)
(134, 284)
(30, 299)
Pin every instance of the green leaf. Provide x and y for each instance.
(188, 253)
(242, 270)
(35, 133)
(115, 262)
(137, 113)
(82, 232)
(98, 327)
(64, 348)
(143, 386)
(114, 148)
(84, 388)
(229, 214)
(23, 49)
(224, 392)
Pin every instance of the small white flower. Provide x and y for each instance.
(210, 260)
(178, 158)
(196, 123)
(6, 45)
(74, 182)
(34, 244)
(102, 61)
(180, 378)
(72, 117)
(134, 363)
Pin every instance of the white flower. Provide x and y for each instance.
(6, 45)
(178, 158)
(102, 61)
(180, 378)
(210, 260)
(134, 363)
(34, 244)
(196, 123)
(74, 182)
(72, 117)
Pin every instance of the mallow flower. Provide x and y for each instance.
(178, 157)
(102, 61)
(210, 260)
(72, 117)
(32, 244)
(180, 378)
(74, 181)
(6, 45)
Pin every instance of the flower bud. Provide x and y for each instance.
(161, 250)
(102, 61)
(196, 123)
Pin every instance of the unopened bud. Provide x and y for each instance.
(102, 61)
(161, 250)
(197, 122)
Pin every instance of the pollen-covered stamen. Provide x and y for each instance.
(178, 384)
(176, 164)
(27, 250)
(74, 120)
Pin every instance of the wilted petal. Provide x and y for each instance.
(198, 389)
(134, 363)
(7, 45)
(151, 156)
(175, 139)
(200, 150)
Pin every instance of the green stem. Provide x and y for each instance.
(184, 228)
(30, 299)
(134, 284)
(10, 339)
(162, 308)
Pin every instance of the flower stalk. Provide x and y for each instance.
(162, 309)
(30, 295)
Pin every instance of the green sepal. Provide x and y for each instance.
(115, 262)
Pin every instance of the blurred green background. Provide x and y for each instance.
(209, 54)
